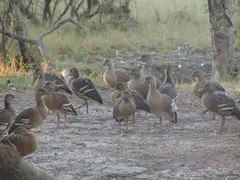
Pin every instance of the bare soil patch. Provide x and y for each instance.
(95, 147)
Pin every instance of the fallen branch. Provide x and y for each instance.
(39, 41)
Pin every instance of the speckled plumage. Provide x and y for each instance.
(218, 102)
(32, 117)
(83, 88)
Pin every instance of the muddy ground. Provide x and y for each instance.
(95, 147)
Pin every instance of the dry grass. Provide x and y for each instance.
(162, 24)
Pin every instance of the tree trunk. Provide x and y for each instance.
(19, 29)
(47, 15)
(220, 12)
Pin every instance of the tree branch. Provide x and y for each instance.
(39, 41)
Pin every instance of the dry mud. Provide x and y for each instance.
(94, 146)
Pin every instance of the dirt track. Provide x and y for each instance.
(95, 147)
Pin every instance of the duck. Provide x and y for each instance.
(160, 104)
(140, 102)
(168, 86)
(57, 102)
(124, 108)
(147, 69)
(218, 102)
(25, 142)
(39, 73)
(136, 84)
(200, 81)
(83, 88)
(112, 76)
(32, 117)
(7, 114)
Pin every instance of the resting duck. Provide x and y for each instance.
(112, 76)
(25, 142)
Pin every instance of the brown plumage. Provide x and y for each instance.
(168, 87)
(218, 102)
(8, 114)
(160, 104)
(83, 88)
(50, 76)
(147, 69)
(58, 102)
(32, 117)
(200, 81)
(124, 108)
(25, 142)
(112, 76)
(141, 103)
(136, 84)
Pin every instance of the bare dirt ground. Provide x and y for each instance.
(95, 147)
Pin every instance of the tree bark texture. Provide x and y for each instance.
(13, 167)
(19, 29)
(220, 12)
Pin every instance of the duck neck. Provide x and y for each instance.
(110, 67)
(39, 101)
(200, 79)
(7, 105)
(168, 78)
(146, 69)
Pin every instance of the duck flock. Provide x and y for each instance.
(131, 92)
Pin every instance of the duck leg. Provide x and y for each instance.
(160, 118)
(213, 117)
(58, 120)
(222, 124)
(65, 120)
(86, 103)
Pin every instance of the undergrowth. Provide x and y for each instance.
(161, 25)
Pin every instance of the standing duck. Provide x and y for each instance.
(83, 88)
(168, 87)
(57, 102)
(50, 76)
(160, 104)
(136, 84)
(147, 69)
(25, 142)
(8, 114)
(141, 103)
(124, 108)
(112, 76)
(218, 102)
(32, 117)
(200, 81)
